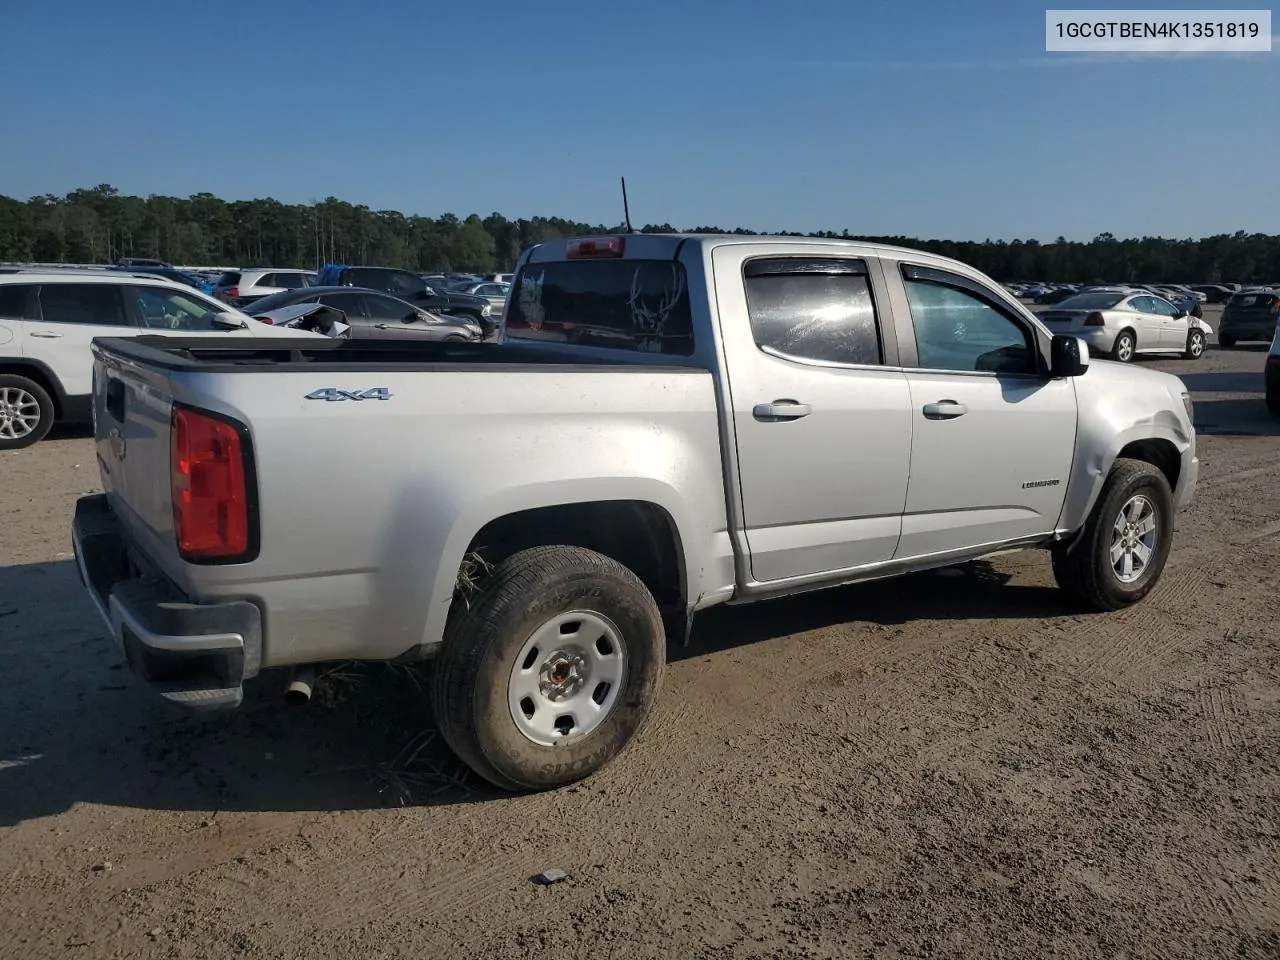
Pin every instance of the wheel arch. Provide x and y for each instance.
(39, 373)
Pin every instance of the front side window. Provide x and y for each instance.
(100, 304)
(813, 309)
(173, 310)
(1163, 307)
(960, 331)
(624, 304)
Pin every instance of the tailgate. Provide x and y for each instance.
(131, 416)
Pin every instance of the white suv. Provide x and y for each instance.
(48, 319)
(241, 287)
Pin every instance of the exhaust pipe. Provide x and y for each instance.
(299, 689)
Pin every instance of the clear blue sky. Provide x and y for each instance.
(927, 118)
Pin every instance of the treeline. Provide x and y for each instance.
(99, 225)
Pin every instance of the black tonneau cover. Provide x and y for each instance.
(264, 354)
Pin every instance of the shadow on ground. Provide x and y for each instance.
(1224, 382)
(79, 728)
(1236, 418)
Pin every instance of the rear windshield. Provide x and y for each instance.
(1091, 301)
(624, 304)
(229, 279)
(1246, 301)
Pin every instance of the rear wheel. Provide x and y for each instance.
(1124, 347)
(1273, 402)
(1121, 551)
(1195, 345)
(26, 412)
(551, 670)
(1226, 340)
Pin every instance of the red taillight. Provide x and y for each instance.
(266, 320)
(233, 291)
(587, 248)
(1095, 320)
(210, 487)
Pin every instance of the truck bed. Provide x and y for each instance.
(364, 508)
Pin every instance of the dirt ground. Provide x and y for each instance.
(942, 766)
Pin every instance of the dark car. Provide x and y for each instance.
(1249, 315)
(372, 314)
(1056, 296)
(1214, 292)
(411, 287)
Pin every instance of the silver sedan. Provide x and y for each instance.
(495, 292)
(1122, 324)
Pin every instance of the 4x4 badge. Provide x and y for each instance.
(333, 393)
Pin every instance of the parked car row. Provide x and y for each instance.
(49, 318)
(1123, 322)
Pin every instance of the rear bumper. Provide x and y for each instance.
(194, 654)
(1263, 328)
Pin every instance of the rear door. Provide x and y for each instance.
(992, 436)
(821, 412)
(1147, 323)
(68, 317)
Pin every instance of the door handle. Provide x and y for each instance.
(945, 410)
(46, 334)
(780, 410)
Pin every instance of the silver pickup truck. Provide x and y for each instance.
(666, 423)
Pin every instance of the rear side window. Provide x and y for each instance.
(290, 281)
(229, 279)
(13, 300)
(623, 304)
(1252, 301)
(813, 309)
(92, 303)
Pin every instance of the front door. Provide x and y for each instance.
(821, 421)
(992, 435)
(1173, 327)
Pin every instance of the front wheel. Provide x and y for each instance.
(1121, 551)
(1195, 345)
(26, 412)
(1273, 402)
(550, 670)
(1226, 341)
(1124, 347)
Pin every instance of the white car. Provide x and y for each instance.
(48, 319)
(1124, 323)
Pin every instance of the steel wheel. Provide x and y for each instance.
(19, 413)
(566, 677)
(1134, 537)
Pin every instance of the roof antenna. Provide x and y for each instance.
(626, 210)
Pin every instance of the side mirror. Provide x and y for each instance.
(1068, 357)
(228, 321)
(1180, 314)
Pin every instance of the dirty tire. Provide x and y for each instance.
(1082, 567)
(472, 672)
(13, 382)
(1195, 345)
(1125, 347)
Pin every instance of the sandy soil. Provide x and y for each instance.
(936, 767)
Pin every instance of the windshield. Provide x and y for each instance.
(1092, 301)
